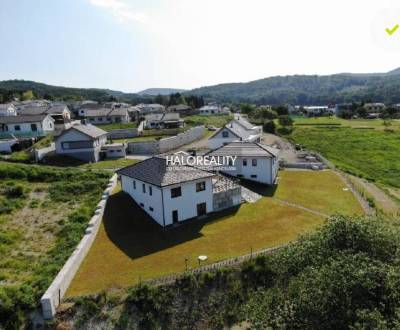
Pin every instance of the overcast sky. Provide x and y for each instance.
(131, 45)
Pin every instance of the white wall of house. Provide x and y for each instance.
(144, 199)
(186, 204)
(40, 128)
(108, 119)
(5, 145)
(265, 170)
(163, 204)
(224, 136)
(9, 111)
(90, 153)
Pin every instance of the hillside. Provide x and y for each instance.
(309, 89)
(9, 88)
(161, 91)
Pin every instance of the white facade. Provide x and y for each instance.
(115, 150)
(222, 137)
(38, 128)
(78, 145)
(160, 204)
(8, 110)
(258, 169)
(6, 145)
(208, 110)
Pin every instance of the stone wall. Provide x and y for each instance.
(166, 144)
(52, 297)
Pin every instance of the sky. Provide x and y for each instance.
(131, 45)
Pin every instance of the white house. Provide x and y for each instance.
(106, 116)
(171, 195)
(37, 125)
(81, 141)
(163, 120)
(8, 109)
(208, 110)
(374, 107)
(7, 141)
(255, 162)
(150, 108)
(114, 150)
(239, 129)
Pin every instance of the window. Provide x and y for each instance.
(77, 145)
(240, 175)
(134, 184)
(150, 190)
(230, 162)
(151, 209)
(17, 128)
(100, 119)
(144, 188)
(225, 134)
(253, 175)
(141, 204)
(200, 186)
(33, 127)
(254, 162)
(244, 162)
(176, 192)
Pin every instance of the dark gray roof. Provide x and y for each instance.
(5, 106)
(90, 130)
(33, 110)
(105, 112)
(163, 116)
(245, 149)
(156, 172)
(179, 107)
(22, 119)
(57, 109)
(243, 122)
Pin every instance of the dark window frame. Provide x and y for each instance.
(176, 192)
(200, 186)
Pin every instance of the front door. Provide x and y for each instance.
(201, 209)
(175, 216)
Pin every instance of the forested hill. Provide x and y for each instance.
(15, 88)
(310, 89)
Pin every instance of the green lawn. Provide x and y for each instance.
(110, 164)
(110, 127)
(373, 154)
(130, 246)
(216, 120)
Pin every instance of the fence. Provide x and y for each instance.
(52, 297)
(123, 133)
(168, 279)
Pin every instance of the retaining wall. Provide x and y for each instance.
(41, 153)
(166, 144)
(52, 297)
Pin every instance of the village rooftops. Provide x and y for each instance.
(245, 149)
(106, 112)
(157, 172)
(163, 117)
(22, 119)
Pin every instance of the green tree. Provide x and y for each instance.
(285, 121)
(247, 109)
(28, 95)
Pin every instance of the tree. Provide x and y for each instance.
(28, 95)
(269, 127)
(247, 108)
(285, 121)
(266, 114)
(281, 110)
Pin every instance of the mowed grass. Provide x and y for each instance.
(110, 164)
(333, 195)
(372, 154)
(131, 247)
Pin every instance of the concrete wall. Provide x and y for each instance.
(41, 153)
(226, 199)
(166, 144)
(52, 297)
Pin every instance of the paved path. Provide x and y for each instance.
(250, 196)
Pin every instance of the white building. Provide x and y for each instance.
(150, 108)
(81, 141)
(105, 115)
(255, 162)
(114, 150)
(318, 110)
(170, 195)
(163, 120)
(38, 125)
(239, 129)
(8, 109)
(374, 107)
(7, 141)
(208, 110)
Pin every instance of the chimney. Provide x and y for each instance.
(84, 122)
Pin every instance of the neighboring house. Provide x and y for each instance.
(81, 141)
(164, 120)
(36, 125)
(8, 109)
(7, 141)
(150, 108)
(182, 109)
(59, 109)
(208, 110)
(374, 107)
(239, 129)
(318, 110)
(114, 150)
(255, 162)
(172, 195)
(106, 116)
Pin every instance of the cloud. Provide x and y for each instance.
(121, 10)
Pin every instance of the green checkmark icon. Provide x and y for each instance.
(392, 30)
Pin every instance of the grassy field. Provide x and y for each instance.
(372, 154)
(110, 164)
(132, 247)
(354, 123)
(216, 120)
(110, 127)
(43, 215)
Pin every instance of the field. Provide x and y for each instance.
(130, 247)
(43, 215)
(216, 120)
(369, 153)
(110, 164)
